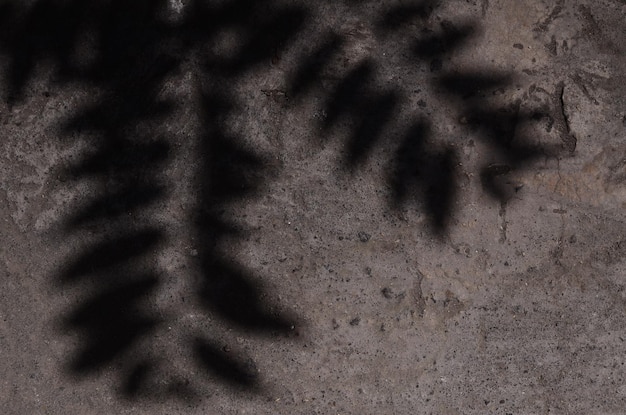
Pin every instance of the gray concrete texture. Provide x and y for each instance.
(332, 207)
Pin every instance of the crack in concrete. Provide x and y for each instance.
(568, 139)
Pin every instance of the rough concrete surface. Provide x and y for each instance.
(332, 207)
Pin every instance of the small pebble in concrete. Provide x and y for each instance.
(355, 321)
(364, 236)
(387, 293)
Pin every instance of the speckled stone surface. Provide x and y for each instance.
(333, 207)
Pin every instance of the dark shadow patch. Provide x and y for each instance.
(120, 157)
(346, 96)
(396, 17)
(111, 253)
(238, 372)
(45, 32)
(493, 180)
(110, 206)
(449, 39)
(421, 172)
(229, 172)
(504, 127)
(468, 85)
(375, 114)
(112, 321)
(310, 69)
(135, 381)
(366, 110)
(230, 292)
(498, 127)
(265, 38)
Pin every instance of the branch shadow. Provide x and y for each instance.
(123, 53)
(424, 169)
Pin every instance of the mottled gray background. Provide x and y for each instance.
(291, 266)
